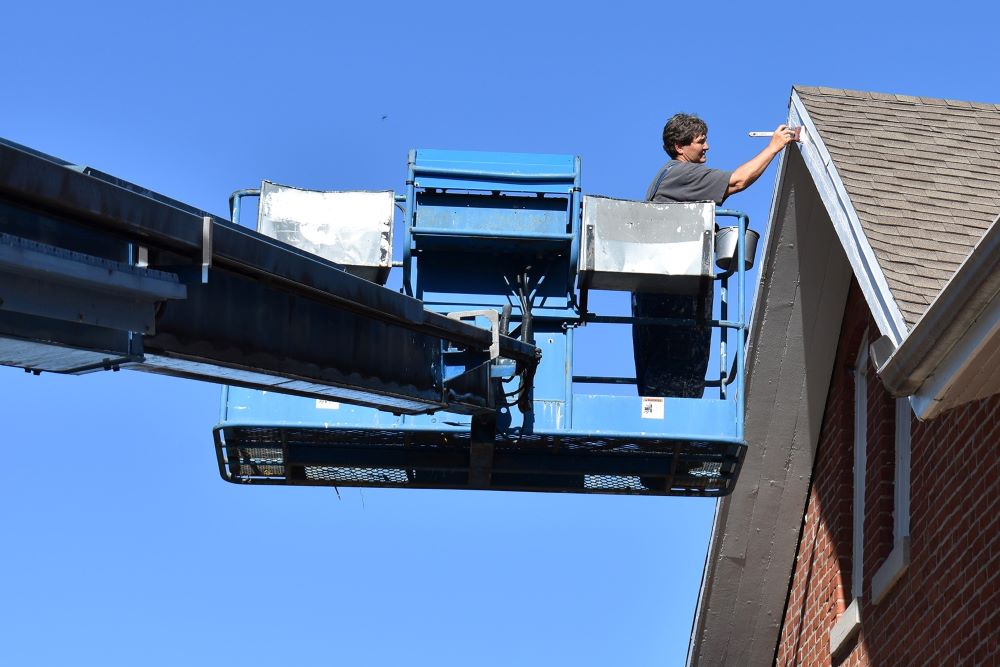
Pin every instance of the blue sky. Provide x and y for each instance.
(121, 544)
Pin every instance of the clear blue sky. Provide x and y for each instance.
(121, 545)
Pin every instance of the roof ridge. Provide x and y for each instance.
(895, 97)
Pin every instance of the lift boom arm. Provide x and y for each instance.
(97, 273)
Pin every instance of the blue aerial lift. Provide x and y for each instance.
(464, 380)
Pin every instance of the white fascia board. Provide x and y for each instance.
(779, 181)
(929, 401)
(845, 219)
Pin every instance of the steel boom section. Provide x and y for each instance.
(269, 316)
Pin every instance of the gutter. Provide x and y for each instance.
(921, 357)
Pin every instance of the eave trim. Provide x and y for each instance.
(845, 220)
(946, 338)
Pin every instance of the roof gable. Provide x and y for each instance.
(923, 176)
(861, 186)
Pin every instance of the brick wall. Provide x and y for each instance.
(946, 608)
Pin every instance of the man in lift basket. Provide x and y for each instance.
(671, 361)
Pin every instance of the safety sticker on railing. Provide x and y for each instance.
(652, 407)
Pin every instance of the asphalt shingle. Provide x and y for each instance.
(923, 175)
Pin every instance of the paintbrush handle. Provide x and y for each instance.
(796, 133)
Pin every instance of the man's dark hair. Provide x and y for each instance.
(681, 130)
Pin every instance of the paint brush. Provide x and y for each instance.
(799, 132)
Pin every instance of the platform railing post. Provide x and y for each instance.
(744, 221)
(568, 410)
(575, 218)
(723, 334)
(235, 201)
(407, 226)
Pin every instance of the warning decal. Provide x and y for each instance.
(652, 407)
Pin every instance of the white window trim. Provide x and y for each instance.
(898, 560)
(849, 623)
(846, 627)
(860, 462)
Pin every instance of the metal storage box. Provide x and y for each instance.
(351, 228)
(645, 247)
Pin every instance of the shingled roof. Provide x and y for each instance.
(923, 175)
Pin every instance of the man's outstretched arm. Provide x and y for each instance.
(748, 172)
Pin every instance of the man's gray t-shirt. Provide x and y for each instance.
(687, 182)
(672, 361)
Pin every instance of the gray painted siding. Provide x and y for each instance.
(796, 324)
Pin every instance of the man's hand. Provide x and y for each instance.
(782, 136)
(747, 173)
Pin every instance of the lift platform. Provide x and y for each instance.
(464, 379)
(508, 241)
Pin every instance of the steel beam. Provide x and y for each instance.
(257, 312)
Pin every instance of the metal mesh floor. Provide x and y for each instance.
(435, 460)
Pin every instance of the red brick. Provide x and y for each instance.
(944, 610)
